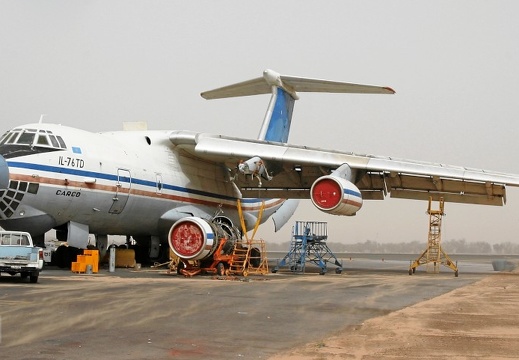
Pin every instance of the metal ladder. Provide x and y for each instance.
(434, 254)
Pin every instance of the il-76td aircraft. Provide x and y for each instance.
(182, 189)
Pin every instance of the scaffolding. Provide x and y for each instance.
(434, 255)
(249, 258)
(308, 245)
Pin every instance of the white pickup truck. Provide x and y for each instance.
(18, 255)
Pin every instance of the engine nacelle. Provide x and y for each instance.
(335, 195)
(193, 238)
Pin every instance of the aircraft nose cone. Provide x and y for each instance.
(4, 173)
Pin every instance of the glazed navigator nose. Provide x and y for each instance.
(4, 173)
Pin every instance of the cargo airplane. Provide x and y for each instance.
(182, 189)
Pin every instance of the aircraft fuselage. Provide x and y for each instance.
(122, 183)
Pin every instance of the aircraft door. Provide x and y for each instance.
(122, 192)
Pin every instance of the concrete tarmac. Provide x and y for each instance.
(151, 314)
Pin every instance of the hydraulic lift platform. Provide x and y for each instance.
(308, 245)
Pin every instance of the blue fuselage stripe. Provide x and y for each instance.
(112, 177)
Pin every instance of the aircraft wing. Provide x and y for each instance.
(295, 168)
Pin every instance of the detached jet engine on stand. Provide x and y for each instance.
(194, 238)
(211, 246)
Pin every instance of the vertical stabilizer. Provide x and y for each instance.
(276, 125)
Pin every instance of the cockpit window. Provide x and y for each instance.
(53, 141)
(61, 142)
(12, 137)
(4, 137)
(33, 137)
(27, 138)
(42, 140)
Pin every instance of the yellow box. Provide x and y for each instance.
(93, 253)
(92, 258)
(125, 258)
(78, 267)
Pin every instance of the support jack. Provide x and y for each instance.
(434, 255)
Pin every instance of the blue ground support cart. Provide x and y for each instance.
(308, 245)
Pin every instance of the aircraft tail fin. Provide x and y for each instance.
(276, 125)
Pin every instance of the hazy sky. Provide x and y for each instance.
(454, 66)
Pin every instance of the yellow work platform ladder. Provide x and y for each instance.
(434, 254)
(249, 257)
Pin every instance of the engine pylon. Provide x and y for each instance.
(434, 254)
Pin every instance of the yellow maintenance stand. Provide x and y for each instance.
(434, 254)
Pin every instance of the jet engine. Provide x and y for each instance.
(193, 238)
(336, 196)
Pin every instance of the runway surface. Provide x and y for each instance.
(151, 314)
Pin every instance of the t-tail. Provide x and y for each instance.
(284, 89)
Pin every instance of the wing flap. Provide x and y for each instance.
(452, 190)
(456, 198)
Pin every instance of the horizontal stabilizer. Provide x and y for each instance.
(276, 124)
(246, 88)
(292, 85)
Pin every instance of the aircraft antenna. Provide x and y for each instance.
(41, 118)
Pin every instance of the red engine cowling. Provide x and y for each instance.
(192, 238)
(335, 195)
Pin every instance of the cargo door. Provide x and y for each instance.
(122, 191)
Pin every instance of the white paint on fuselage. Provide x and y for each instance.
(81, 185)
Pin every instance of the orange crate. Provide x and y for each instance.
(79, 267)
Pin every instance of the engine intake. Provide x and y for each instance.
(335, 195)
(193, 238)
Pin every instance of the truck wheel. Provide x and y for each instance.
(33, 278)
